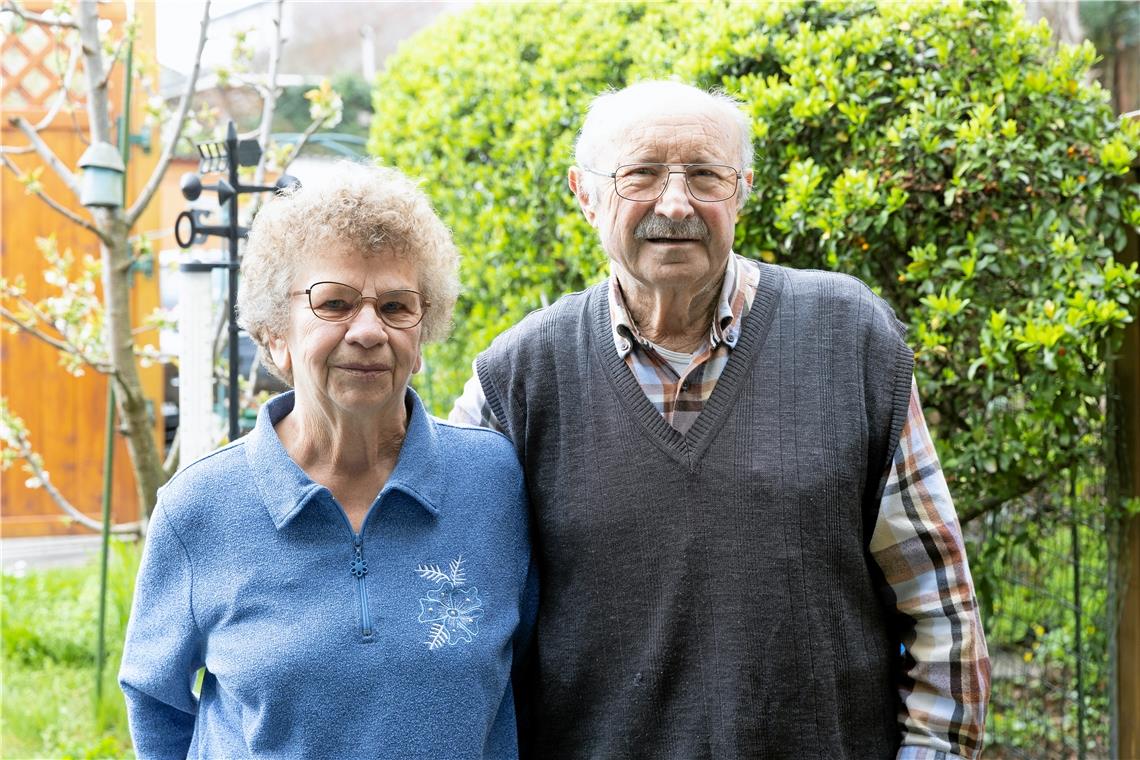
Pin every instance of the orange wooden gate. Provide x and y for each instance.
(65, 415)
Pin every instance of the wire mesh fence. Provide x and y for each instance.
(1044, 586)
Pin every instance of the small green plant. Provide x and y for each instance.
(47, 622)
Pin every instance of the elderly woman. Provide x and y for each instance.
(354, 576)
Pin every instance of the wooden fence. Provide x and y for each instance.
(65, 415)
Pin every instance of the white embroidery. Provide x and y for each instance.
(452, 609)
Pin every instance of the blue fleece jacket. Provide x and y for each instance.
(317, 641)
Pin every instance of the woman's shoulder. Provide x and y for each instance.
(476, 462)
(207, 479)
(458, 439)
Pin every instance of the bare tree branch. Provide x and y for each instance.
(269, 105)
(61, 345)
(179, 123)
(253, 83)
(70, 346)
(24, 451)
(54, 204)
(47, 154)
(170, 464)
(219, 332)
(114, 59)
(301, 141)
(251, 380)
(37, 18)
(98, 105)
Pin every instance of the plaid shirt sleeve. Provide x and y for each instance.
(471, 408)
(945, 677)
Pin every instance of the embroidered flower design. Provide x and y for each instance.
(452, 609)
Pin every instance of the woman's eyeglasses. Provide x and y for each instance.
(337, 302)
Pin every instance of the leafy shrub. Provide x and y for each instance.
(941, 151)
(48, 622)
(63, 632)
(52, 615)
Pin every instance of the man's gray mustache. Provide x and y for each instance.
(655, 226)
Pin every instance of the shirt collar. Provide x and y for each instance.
(286, 489)
(731, 308)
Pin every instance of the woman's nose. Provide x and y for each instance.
(366, 328)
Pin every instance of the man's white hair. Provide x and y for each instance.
(614, 111)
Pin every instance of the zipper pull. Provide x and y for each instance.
(359, 567)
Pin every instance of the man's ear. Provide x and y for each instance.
(577, 182)
(748, 177)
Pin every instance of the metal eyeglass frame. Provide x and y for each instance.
(683, 172)
(359, 303)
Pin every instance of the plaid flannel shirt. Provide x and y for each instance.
(917, 541)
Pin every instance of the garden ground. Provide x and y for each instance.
(48, 622)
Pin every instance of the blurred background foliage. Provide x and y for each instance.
(48, 630)
(940, 151)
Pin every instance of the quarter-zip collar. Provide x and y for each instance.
(286, 489)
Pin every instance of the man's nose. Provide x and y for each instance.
(675, 202)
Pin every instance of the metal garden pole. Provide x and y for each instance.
(227, 155)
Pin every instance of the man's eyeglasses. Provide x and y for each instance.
(337, 302)
(647, 182)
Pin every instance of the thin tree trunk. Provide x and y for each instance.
(1063, 17)
(115, 249)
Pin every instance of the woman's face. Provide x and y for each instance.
(358, 367)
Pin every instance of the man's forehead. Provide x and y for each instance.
(675, 135)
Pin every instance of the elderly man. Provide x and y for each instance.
(746, 544)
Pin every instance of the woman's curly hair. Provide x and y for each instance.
(369, 209)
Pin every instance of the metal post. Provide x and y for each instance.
(228, 155)
(197, 429)
(233, 395)
(1077, 611)
(108, 471)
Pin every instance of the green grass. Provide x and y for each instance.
(48, 621)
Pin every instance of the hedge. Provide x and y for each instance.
(945, 152)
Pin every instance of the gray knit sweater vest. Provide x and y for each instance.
(711, 595)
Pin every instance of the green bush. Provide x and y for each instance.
(48, 621)
(942, 151)
(53, 614)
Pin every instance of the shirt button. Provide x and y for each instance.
(685, 386)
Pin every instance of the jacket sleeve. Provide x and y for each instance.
(163, 648)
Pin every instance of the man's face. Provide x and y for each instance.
(675, 242)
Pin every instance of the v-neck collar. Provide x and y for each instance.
(688, 448)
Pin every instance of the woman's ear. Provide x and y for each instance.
(279, 352)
